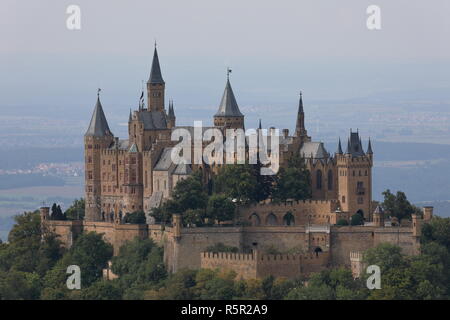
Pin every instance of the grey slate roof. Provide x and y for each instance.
(98, 126)
(183, 169)
(228, 106)
(369, 148)
(354, 146)
(155, 73)
(121, 145)
(378, 209)
(314, 149)
(153, 119)
(165, 161)
(171, 114)
(339, 149)
(133, 148)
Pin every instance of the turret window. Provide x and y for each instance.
(330, 180)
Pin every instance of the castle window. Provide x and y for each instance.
(359, 172)
(89, 174)
(365, 173)
(271, 220)
(319, 179)
(353, 172)
(330, 180)
(343, 199)
(360, 200)
(89, 159)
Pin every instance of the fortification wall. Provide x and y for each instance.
(256, 265)
(304, 212)
(184, 252)
(67, 230)
(343, 240)
(243, 264)
(107, 228)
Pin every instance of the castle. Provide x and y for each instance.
(137, 174)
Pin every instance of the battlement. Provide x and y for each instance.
(257, 265)
(291, 203)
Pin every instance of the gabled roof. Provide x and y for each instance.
(316, 150)
(155, 73)
(183, 169)
(228, 106)
(98, 127)
(165, 161)
(133, 148)
(153, 119)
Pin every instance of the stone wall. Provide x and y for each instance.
(256, 265)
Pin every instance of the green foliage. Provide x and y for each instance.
(76, 210)
(356, 220)
(237, 181)
(398, 205)
(293, 182)
(332, 284)
(220, 208)
(342, 222)
(102, 290)
(137, 217)
(220, 247)
(90, 252)
(56, 213)
(188, 195)
(437, 230)
(139, 261)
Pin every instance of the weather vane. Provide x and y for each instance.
(228, 72)
(98, 92)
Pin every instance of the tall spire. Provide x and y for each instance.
(130, 117)
(171, 111)
(260, 126)
(98, 127)
(155, 73)
(339, 150)
(228, 106)
(300, 125)
(300, 103)
(349, 148)
(369, 148)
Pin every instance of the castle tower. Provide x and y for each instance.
(97, 137)
(229, 115)
(155, 86)
(354, 171)
(171, 116)
(378, 217)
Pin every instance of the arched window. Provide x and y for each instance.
(288, 219)
(319, 179)
(330, 180)
(255, 220)
(271, 220)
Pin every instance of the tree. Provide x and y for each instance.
(237, 181)
(437, 230)
(356, 220)
(293, 182)
(397, 205)
(91, 253)
(189, 194)
(137, 217)
(342, 222)
(56, 213)
(102, 290)
(220, 208)
(76, 210)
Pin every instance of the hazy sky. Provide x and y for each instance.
(275, 49)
